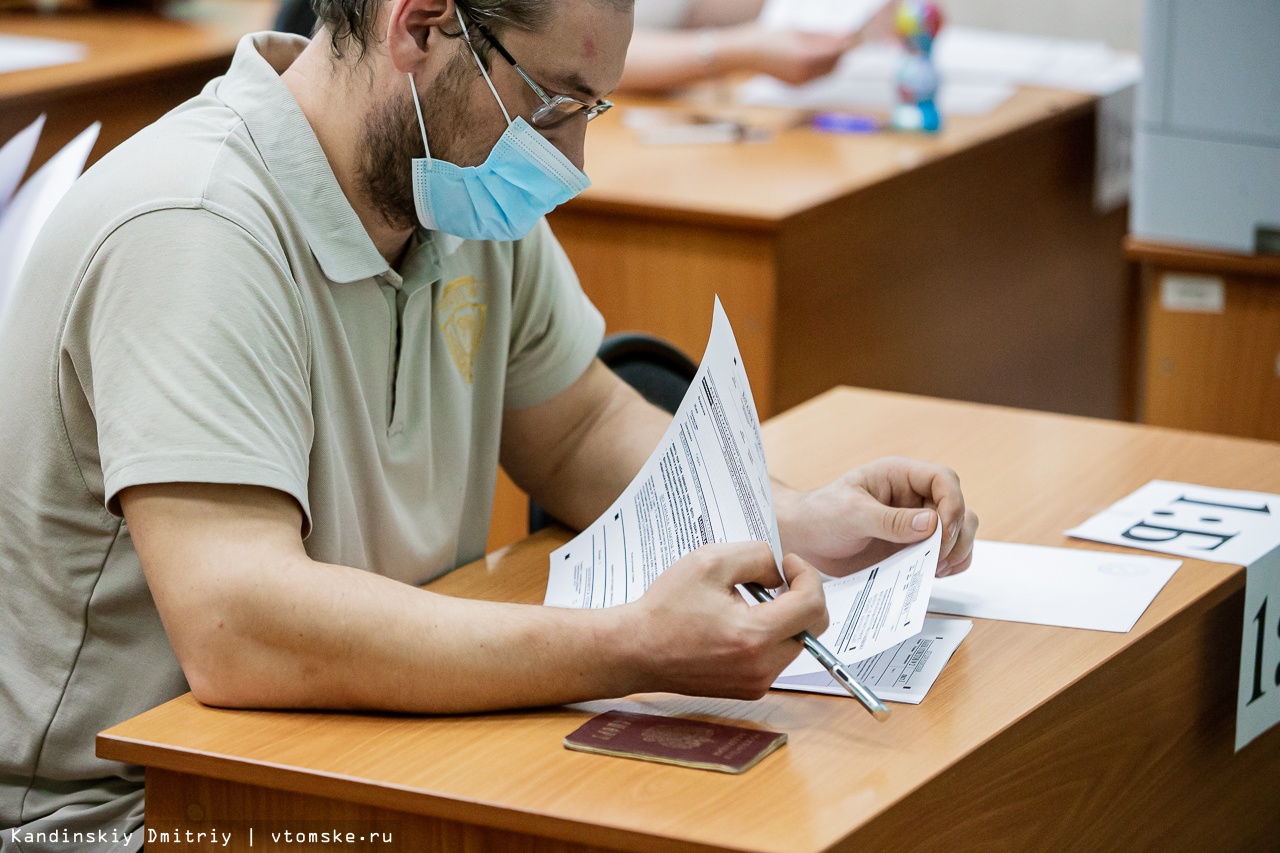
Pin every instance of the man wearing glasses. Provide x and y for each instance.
(260, 372)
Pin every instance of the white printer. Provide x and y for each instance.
(1207, 141)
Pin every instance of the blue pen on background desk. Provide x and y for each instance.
(830, 663)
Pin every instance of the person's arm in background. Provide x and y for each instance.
(722, 37)
(721, 13)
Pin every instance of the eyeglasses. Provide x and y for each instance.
(555, 109)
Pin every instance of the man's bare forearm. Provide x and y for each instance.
(313, 635)
(576, 454)
(255, 622)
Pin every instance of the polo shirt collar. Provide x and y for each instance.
(288, 146)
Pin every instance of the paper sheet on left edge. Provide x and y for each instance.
(904, 673)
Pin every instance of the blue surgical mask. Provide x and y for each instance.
(523, 179)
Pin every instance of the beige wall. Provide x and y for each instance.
(1117, 22)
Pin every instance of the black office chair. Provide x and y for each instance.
(658, 370)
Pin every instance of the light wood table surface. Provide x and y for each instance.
(138, 66)
(1033, 738)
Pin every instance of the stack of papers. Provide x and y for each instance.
(903, 673)
(20, 53)
(980, 69)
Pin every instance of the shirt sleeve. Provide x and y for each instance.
(555, 330)
(191, 346)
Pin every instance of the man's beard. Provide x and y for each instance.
(391, 140)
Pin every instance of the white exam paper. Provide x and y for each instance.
(904, 673)
(26, 214)
(819, 16)
(848, 91)
(980, 69)
(1075, 64)
(706, 482)
(1220, 525)
(1093, 590)
(20, 53)
(15, 157)
(876, 608)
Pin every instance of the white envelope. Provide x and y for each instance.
(1070, 588)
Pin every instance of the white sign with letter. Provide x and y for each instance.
(1223, 526)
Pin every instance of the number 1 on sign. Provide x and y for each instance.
(1261, 619)
(1258, 693)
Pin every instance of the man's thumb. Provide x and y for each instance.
(905, 525)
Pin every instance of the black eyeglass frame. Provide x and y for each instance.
(555, 109)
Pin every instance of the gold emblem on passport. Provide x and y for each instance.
(460, 313)
(675, 737)
(674, 740)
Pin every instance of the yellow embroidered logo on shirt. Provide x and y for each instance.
(461, 313)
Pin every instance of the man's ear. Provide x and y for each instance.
(414, 37)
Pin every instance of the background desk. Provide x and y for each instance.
(139, 66)
(970, 266)
(1214, 367)
(1033, 737)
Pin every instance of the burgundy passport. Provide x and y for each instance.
(672, 740)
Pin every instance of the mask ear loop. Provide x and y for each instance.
(417, 105)
(467, 36)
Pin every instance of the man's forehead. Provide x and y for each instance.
(582, 49)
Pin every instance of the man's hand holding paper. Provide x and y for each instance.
(702, 517)
(872, 511)
(702, 638)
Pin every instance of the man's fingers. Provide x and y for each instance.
(898, 524)
(803, 607)
(961, 555)
(739, 562)
(940, 487)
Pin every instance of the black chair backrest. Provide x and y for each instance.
(658, 370)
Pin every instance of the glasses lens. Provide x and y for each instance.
(557, 111)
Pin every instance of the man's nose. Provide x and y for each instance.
(572, 142)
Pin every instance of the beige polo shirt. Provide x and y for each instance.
(204, 306)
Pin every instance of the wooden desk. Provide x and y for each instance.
(970, 266)
(1207, 366)
(139, 66)
(1033, 737)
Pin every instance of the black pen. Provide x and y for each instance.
(830, 663)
